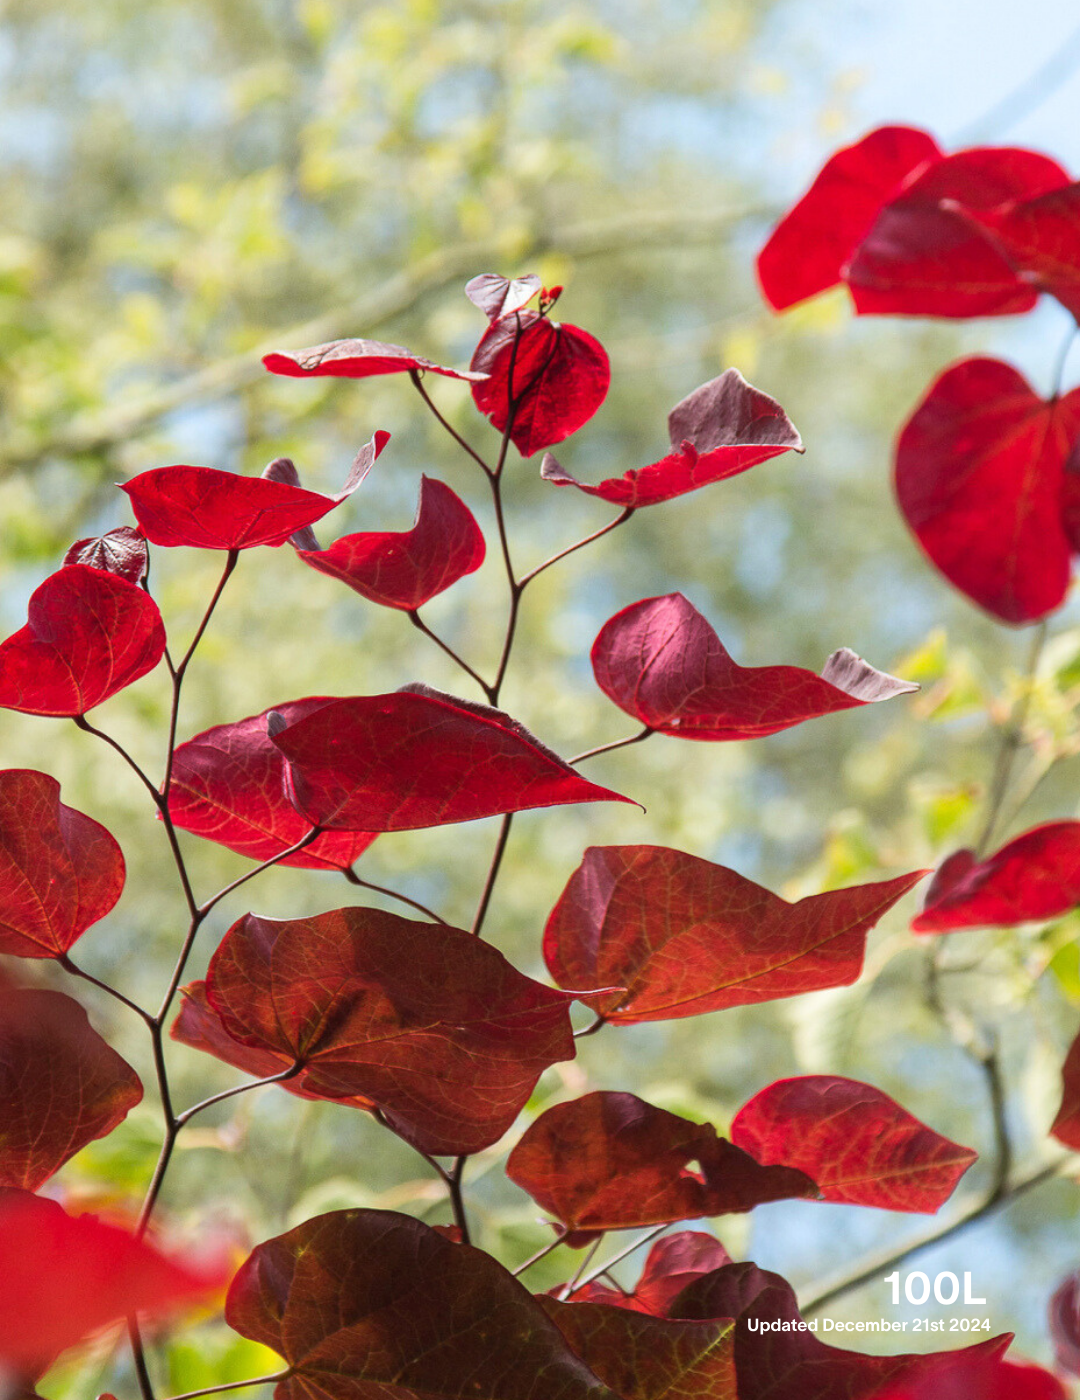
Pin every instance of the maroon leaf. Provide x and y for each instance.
(88, 634)
(228, 786)
(661, 662)
(610, 1161)
(356, 359)
(1034, 876)
(785, 1361)
(859, 1145)
(1066, 1126)
(1040, 238)
(60, 871)
(61, 1086)
(419, 758)
(429, 1022)
(981, 481)
(672, 1264)
(721, 429)
(497, 296)
(1065, 1324)
(405, 569)
(677, 936)
(368, 1302)
(809, 249)
(556, 376)
(209, 509)
(121, 551)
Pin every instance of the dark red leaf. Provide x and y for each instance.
(418, 758)
(63, 1277)
(672, 1264)
(787, 1362)
(367, 1302)
(677, 936)
(1065, 1324)
(228, 786)
(981, 480)
(497, 296)
(61, 1085)
(811, 246)
(355, 359)
(121, 551)
(556, 375)
(661, 662)
(1034, 876)
(721, 429)
(1066, 1126)
(429, 1022)
(209, 509)
(405, 569)
(88, 634)
(60, 871)
(1041, 238)
(610, 1161)
(859, 1145)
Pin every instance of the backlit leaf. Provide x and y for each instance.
(1041, 238)
(121, 551)
(671, 1265)
(355, 359)
(498, 296)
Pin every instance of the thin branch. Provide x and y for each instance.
(541, 1254)
(1003, 1156)
(493, 873)
(572, 548)
(269, 863)
(610, 748)
(138, 1354)
(65, 962)
(1012, 735)
(355, 879)
(417, 622)
(624, 1253)
(1060, 362)
(457, 1197)
(275, 1379)
(417, 380)
(574, 1283)
(84, 724)
(600, 1021)
(188, 1114)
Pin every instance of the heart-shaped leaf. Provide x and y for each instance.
(553, 376)
(1040, 238)
(671, 1265)
(368, 1302)
(432, 1024)
(60, 871)
(121, 551)
(677, 936)
(661, 662)
(611, 1161)
(859, 1145)
(981, 481)
(419, 758)
(721, 429)
(228, 786)
(356, 359)
(498, 296)
(61, 1085)
(406, 568)
(88, 634)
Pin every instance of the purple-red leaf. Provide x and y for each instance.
(121, 551)
(498, 296)
(228, 786)
(418, 758)
(554, 376)
(60, 871)
(1066, 1126)
(721, 429)
(61, 1085)
(661, 662)
(677, 936)
(610, 1161)
(406, 568)
(88, 634)
(983, 482)
(209, 509)
(430, 1023)
(1041, 238)
(370, 1303)
(859, 1145)
(356, 359)
(672, 1265)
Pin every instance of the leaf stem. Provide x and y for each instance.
(457, 1197)
(138, 1355)
(625, 1253)
(84, 724)
(355, 879)
(1062, 359)
(275, 1379)
(549, 1248)
(493, 873)
(418, 383)
(65, 962)
(610, 748)
(417, 622)
(580, 544)
(280, 1078)
(601, 1020)
(1012, 735)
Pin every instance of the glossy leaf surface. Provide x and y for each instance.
(610, 1161)
(858, 1144)
(60, 871)
(672, 1264)
(661, 662)
(88, 634)
(121, 551)
(355, 359)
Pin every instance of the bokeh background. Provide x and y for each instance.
(185, 185)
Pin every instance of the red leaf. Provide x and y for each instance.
(60, 871)
(810, 247)
(1034, 876)
(209, 509)
(1066, 1126)
(497, 296)
(859, 1145)
(405, 569)
(984, 1377)
(1065, 1324)
(429, 1022)
(355, 359)
(661, 662)
(1040, 238)
(63, 1277)
(418, 758)
(368, 1302)
(88, 634)
(61, 1086)
(121, 551)
(672, 1264)
(678, 936)
(786, 1362)
(981, 479)
(556, 375)
(721, 429)
(228, 786)
(611, 1161)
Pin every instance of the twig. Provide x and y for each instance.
(610, 748)
(1012, 735)
(275, 1379)
(579, 544)
(420, 625)
(549, 1248)
(417, 380)
(625, 1253)
(355, 879)
(493, 873)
